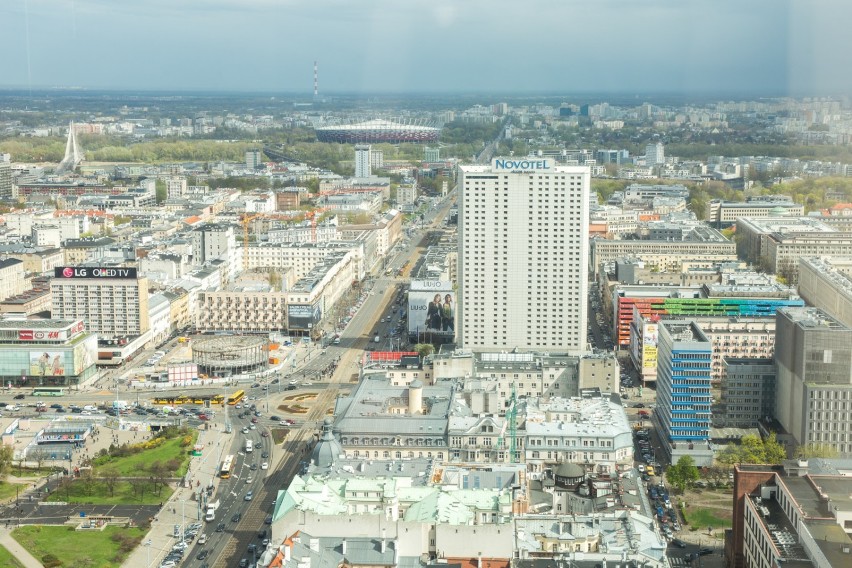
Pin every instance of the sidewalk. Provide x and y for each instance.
(18, 551)
(182, 506)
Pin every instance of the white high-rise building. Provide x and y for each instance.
(655, 154)
(523, 255)
(362, 161)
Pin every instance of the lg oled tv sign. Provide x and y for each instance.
(94, 273)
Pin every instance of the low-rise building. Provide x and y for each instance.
(51, 352)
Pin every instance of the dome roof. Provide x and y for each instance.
(570, 470)
(327, 450)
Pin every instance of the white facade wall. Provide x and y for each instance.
(523, 257)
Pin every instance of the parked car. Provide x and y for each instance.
(19, 396)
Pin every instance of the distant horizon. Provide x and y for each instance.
(307, 96)
(781, 47)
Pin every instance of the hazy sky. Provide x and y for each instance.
(695, 46)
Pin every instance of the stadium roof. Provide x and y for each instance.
(379, 130)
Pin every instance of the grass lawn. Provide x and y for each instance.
(97, 494)
(6, 559)
(131, 466)
(75, 548)
(701, 518)
(8, 489)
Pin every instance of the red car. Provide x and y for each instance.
(254, 420)
(202, 417)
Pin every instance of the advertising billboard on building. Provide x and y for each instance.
(85, 354)
(303, 317)
(432, 310)
(649, 346)
(47, 363)
(94, 272)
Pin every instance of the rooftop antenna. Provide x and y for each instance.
(316, 82)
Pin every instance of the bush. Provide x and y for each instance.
(50, 561)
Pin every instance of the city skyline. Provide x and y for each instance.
(764, 46)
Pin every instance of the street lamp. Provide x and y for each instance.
(148, 552)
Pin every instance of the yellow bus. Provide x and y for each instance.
(236, 397)
(227, 465)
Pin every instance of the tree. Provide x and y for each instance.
(816, 450)
(6, 454)
(753, 449)
(139, 486)
(109, 477)
(39, 455)
(161, 192)
(682, 474)
(424, 349)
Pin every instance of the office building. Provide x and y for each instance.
(52, 352)
(721, 214)
(826, 283)
(813, 393)
(709, 300)
(701, 243)
(112, 302)
(748, 392)
(796, 514)
(363, 167)
(523, 256)
(683, 391)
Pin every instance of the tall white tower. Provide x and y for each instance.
(73, 155)
(523, 256)
(363, 168)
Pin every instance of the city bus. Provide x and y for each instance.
(227, 466)
(48, 391)
(236, 397)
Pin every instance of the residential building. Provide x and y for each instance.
(175, 187)
(523, 256)
(591, 431)
(112, 302)
(254, 159)
(7, 188)
(655, 154)
(813, 393)
(683, 391)
(89, 249)
(362, 161)
(242, 309)
(12, 281)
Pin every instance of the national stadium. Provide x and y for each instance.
(376, 131)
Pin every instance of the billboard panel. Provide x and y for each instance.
(85, 354)
(47, 363)
(94, 272)
(303, 317)
(432, 309)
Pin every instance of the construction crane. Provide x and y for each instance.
(512, 426)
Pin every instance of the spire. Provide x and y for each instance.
(73, 154)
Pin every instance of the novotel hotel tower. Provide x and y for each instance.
(523, 255)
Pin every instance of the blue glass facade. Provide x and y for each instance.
(683, 382)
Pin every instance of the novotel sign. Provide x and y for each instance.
(93, 272)
(520, 165)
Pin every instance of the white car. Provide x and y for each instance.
(253, 427)
(264, 465)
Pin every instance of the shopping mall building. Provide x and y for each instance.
(45, 353)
